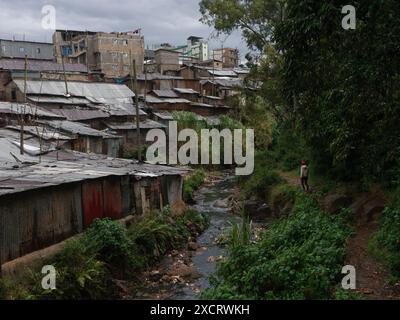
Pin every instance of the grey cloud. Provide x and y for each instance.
(160, 20)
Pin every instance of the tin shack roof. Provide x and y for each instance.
(19, 108)
(51, 172)
(81, 115)
(95, 92)
(76, 128)
(147, 124)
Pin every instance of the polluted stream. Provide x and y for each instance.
(199, 263)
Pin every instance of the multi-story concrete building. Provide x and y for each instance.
(109, 53)
(33, 50)
(196, 50)
(229, 57)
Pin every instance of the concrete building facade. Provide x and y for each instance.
(229, 57)
(33, 50)
(108, 53)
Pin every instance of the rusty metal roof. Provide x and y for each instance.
(78, 167)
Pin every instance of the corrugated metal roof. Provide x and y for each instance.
(146, 124)
(186, 91)
(121, 109)
(173, 101)
(41, 132)
(80, 115)
(37, 65)
(165, 94)
(151, 99)
(157, 76)
(76, 128)
(97, 92)
(241, 71)
(19, 108)
(164, 115)
(82, 167)
(59, 100)
(227, 83)
(223, 73)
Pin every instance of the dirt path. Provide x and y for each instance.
(372, 277)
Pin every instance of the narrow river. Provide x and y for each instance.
(211, 200)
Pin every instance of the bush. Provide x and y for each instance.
(109, 241)
(261, 182)
(193, 183)
(386, 242)
(300, 257)
(80, 275)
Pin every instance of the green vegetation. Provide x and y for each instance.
(329, 95)
(300, 257)
(87, 267)
(386, 243)
(192, 183)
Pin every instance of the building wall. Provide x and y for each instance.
(34, 50)
(108, 53)
(229, 57)
(5, 77)
(167, 60)
(33, 220)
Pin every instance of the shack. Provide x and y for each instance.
(48, 202)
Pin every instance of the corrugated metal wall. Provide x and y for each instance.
(92, 201)
(33, 220)
(112, 198)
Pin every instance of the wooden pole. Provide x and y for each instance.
(145, 85)
(21, 141)
(135, 89)
(65, 76)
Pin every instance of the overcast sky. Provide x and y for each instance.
(160, 20)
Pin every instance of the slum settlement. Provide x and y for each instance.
(72, 109)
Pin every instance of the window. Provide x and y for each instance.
(21, 49)
(125, 42)
(13, 95)
(115, 42)
(38, 50)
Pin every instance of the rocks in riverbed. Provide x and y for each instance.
(193, 246)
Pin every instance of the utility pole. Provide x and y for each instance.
(145, 85)
(134, 86)
(21, 142)
(65, 76)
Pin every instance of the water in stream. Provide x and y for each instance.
(221, 220)
(210, 200)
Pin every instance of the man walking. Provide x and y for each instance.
(304, 176)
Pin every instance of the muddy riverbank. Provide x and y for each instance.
(183, 275)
